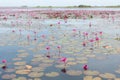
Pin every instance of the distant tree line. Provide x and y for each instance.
(79, 6)
(84, 6)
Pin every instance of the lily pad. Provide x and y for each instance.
(9, 70)
(20, 78)
(37, 79)
(97, 78)
(23, 71)
(20, 63)
(44, 65)
(52, 74)
(71, 63)
(117, 78)
(38, 69)
(74, 72)
(107, 75)
(23, 54)
(88, 78)
(118, 71)
(28, 66)
(61, 66)
(19, 67)
(21, 51)
(91, 73)
(8, 76)
(17, 59)
(36, 74)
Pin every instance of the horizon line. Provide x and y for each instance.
(64, 6)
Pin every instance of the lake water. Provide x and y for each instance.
(24, 45)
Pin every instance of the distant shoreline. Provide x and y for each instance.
(80, 6)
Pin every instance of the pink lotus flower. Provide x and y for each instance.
(4, 61)
(97, 39)
(35, 39)
(13, 30)
(63, 59)
(100, 32)
(5, 18)
(48, 48)
(35, 32)
(86, 34)
(48, 56)
(85, 67)
(58, 47)
(74, 30)
(91, 40)
(58, 22)
(43, 36)
(84, 44)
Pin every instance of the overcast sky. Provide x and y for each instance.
(58, 2)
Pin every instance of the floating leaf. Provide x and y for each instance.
(71, 63)
(97, 78)
(52, 74)
(118, 71)
(36, 74)
(23, 71)
(88, 78)
(61, 66)
(19, 63)
(47, 61)
(21, 51)
(19, 67)
(90, 56)
(9, 70)
(28, 66)
(74, 72)
(8, 76)
(45, 65)
(16, 59)
(38, 69)
(20, 78)
(70, 59)
(82, 62)
(90, 73)
(108, 76)
(117, 78)
(23, 55)
(37, 79)
(81, 58)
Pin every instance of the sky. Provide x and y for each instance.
(13, 3)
